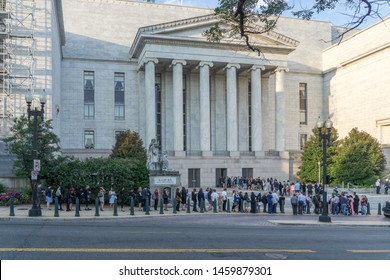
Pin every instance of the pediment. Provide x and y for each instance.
(189, 31)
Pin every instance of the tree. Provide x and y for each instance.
(245, 18)
(359, 159)
(312, 154)
(20, 145)
(129, 145)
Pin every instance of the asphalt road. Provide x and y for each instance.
(188, 237)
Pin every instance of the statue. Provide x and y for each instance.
(154, 155)
(165, 162)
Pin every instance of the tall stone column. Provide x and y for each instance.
(280, 111)
(231, 103)
(257, 111)
(150, 99)
(205, 124)
(178, 143)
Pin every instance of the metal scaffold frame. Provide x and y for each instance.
(17, 58)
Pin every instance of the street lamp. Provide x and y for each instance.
(35, 210)
(324, 133)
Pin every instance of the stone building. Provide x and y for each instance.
(217, 108)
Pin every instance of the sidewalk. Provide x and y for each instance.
(21, 212)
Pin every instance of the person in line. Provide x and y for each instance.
(364, 205)
(183, 198)
(112, 197)
(139, 198)
(301, 203)
(165, 199)
(122, 195)
(71, 198)
(101, 194)
(200, 198)
(59, 197)
(294, 204)
(155, 197)
(194, 197)
(49, 197)
(356, 202)
(87, 197)
(224, 199)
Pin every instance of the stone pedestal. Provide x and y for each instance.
(165, 180)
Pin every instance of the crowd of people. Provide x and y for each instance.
(245, 195)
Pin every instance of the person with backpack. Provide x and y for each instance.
(49, 197)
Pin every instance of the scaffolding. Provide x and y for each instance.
(17, 59)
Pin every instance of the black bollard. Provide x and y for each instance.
(228, 206)
(282, 207)
(379, 209)
(368, 209)
(188, 205)
(131, 206)
(115, 207)
(215, 206)
(11, 207)
(147, 207)
(77, 214)
(97, 207)
(174, 206)
(56, 214)
(161, 206)
(241, 204)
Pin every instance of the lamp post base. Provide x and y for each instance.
(35, 212)
(324, 219)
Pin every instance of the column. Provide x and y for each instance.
(280, 112)
(205, 124)
(150, 99)
(231, 104)
(257, 111)
(178, 144)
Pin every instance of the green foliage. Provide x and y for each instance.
(20, 144)
(359, 159)
(95, 172)
(313, 153)
(2, 188)
(129, 145)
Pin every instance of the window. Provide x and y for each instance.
(194, 178)
(303, 103)
(247, 172)
(119, 89)
(89, 139)
(220, 174)
(117, 133)
(89, 95)
(158, 108)
(302, 141)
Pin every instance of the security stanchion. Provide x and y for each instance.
(56, 214)
(147, 207)
(379, 209)
(174, 206)
(11, 207)
(241, 204)
(228, 205)
(188, 205)
(97, 207)
(282, 207)
(115, 207)
(368, 209)
(131, 206)
(161, 206)
(77, 214)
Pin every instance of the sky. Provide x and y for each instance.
(337, 17)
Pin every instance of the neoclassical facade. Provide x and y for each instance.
(217, 109)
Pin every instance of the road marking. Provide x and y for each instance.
(144, 250)
(369, 251)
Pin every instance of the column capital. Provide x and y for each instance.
(256, 67)
(178, 61)
(231, 65)
(281, 69)
(203, 63)
(149, 59)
